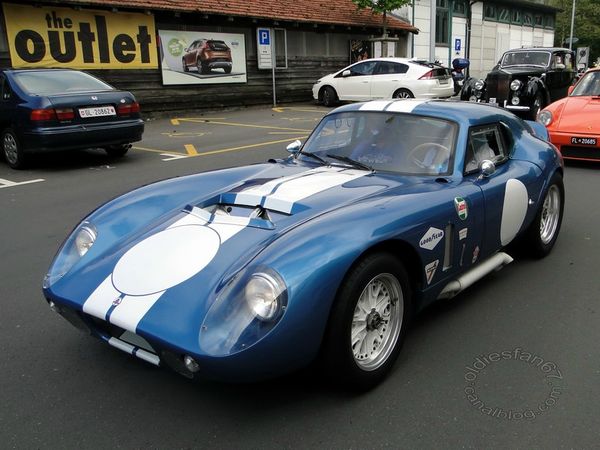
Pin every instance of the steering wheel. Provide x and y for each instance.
(418, 154)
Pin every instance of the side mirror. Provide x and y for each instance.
(487, 168)
(346, 73)
(294, 147)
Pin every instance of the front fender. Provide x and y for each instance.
(536, 86)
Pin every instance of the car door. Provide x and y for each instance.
(386, 78)
(560, 75)
(6, 106)
(355, 85)
(507, 191)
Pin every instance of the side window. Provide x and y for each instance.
(400, 68)
(365, 68)
(485, 143)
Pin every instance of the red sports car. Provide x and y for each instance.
(574, 121)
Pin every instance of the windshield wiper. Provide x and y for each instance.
(352, 162)
(317, 157)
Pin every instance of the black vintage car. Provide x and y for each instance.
(525, 80)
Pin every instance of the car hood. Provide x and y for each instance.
(580, 115)
(520, 71)
(174, 266)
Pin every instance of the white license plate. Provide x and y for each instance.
(97, 112)
(583, 141)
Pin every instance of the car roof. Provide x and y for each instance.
(463, 112)
(547, 49)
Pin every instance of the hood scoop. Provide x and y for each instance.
(226, 214)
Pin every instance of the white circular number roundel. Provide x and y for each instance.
(165, 259)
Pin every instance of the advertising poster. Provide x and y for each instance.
(202, 57)
(46, 36)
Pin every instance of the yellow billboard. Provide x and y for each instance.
(79, 39)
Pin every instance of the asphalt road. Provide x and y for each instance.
(449, 389)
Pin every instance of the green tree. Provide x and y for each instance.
(586, 28)
(382, 7)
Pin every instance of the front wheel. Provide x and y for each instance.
(543, 231)
(13, 152)
(536, 106)
(368, 322)
(329, 97)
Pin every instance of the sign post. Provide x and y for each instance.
(266, 54)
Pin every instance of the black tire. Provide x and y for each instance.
(203, 68)
(329, 96)
(184, 65)
(12, 150)
(199, 66)
(540, 237)
(339, 354)
(117, 151)
(403, 93)
(227, 69)
(536, 106)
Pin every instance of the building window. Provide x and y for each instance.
(549, 21)
(527, 19)
(459, 8)
(517, 16)
(442, 23)
(504, 14)
(489, 12)
(539, 20)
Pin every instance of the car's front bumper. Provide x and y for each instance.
(72, 137)
(562, 141)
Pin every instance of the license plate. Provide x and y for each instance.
(97, 112)
(583, 141)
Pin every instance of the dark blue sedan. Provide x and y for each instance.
(250, 272)
(43, 110)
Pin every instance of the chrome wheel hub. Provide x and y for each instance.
(550, 214)
(10, 148)
(377, 321)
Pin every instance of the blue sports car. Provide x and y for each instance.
(250, 272)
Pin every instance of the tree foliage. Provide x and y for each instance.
(381, 7)
(586, 27)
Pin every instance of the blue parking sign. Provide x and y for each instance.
(457, 43)
(264, 36)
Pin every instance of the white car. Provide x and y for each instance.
(382, 78)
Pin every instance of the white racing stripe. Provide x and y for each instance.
(375, 105)
(282, 194)
(405, 106)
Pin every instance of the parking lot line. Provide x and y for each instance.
(178, 120)
(243, 147)
(146, 149)
(190, 149)
(236, 124)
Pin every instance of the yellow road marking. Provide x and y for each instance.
(178, 120)
(243, 147)
(236, 124)
(293, 108)
(191, 150)
(282, 132)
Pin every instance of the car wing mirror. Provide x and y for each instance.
(487, 168)
(346, 73)
(294, 147)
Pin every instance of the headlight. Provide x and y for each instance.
(74, 248)
(479, 85)
(545, 117)
(515, 85)
(263, 293)
(245, 311)
(515, 100)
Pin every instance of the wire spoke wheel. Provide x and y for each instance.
(377, 321)
(11, 149)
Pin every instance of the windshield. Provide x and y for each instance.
(386, 141)
(588, 85)
(52, 82)
(521, 58)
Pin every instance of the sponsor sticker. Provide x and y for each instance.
(462, 234)
(475, 254)
(430, 239)
(461, 208)
(430, 270)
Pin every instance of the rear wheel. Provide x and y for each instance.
(117, 151)
(329, 97)
(227, 69)
(367, 323)
(13, 152)
(184, 65)
(403, 93)
(543, 231)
